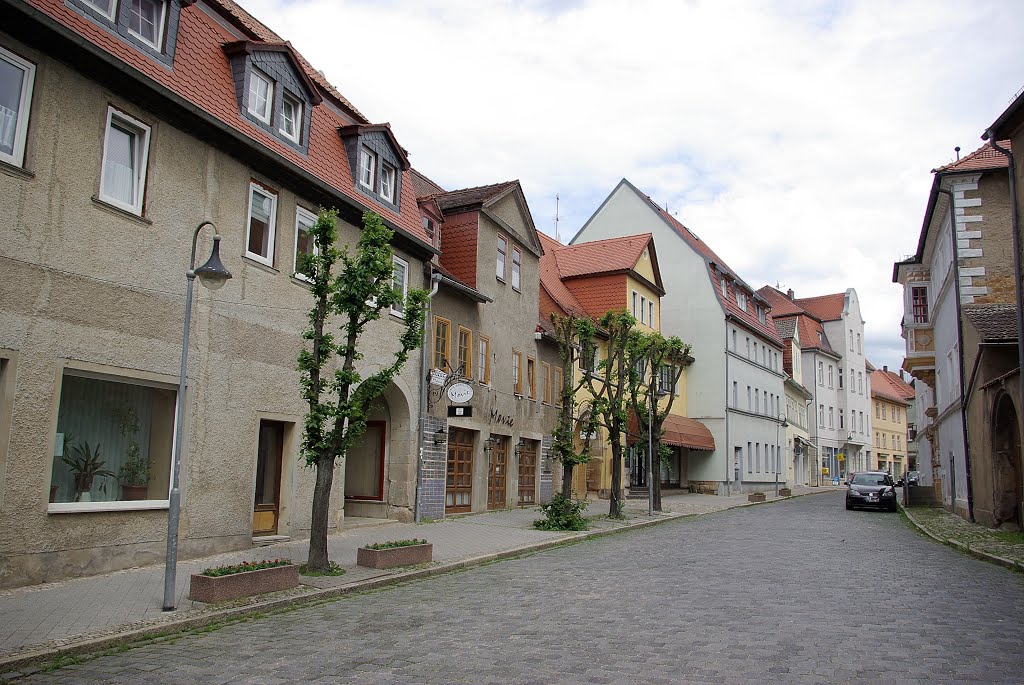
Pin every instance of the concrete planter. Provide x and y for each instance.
(395, 556)
(785, 492)
(756, 497)
(212, 589)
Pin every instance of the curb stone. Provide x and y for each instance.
(963, 546)
(24, 662)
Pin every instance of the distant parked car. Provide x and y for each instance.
(913, 477)
(874, 489)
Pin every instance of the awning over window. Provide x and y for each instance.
(679, 431)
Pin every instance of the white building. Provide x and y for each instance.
(735, 386)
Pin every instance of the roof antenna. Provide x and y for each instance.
(957, 148)
(556, 219)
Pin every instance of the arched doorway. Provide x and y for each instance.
(1006, 466)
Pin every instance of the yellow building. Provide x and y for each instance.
(889, 402)
(591, 279)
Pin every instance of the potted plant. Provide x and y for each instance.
(395, 553)
(785, 492)
(756, 496)
(85, 465)
(242, 580)
(133, 475)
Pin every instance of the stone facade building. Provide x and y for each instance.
(207, 116)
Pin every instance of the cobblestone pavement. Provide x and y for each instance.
(952, 528)
(796, 591)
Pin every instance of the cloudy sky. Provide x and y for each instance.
(796, 138)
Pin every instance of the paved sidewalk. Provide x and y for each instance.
(1005, 548)
(84, 614)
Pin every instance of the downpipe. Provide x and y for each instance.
(435, 280)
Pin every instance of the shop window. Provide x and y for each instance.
(113, 440)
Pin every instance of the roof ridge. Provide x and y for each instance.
(488, 185)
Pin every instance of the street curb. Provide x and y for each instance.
(37, 656)
(965, 547)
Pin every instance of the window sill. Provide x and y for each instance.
(117, 211)
(85, 507)
(16, 171)
(260, 265)
(304, 282)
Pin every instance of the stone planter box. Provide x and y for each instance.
(395, 556)
(756, 497)
(212, 589)
(785, 492)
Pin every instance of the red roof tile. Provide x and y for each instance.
(985, 158)
(812, 335)
(472, 197)
(551, 283)
(824, 307)
(889, 386)
(202, 76)
(781, 304)
(603, 256)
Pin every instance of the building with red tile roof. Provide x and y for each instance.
(736, 386)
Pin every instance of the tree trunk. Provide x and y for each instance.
(318, 559)
(615, 496)
(567, 480)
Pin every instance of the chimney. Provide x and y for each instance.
(790, 294)
(885, 368)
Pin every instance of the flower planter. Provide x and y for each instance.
(395, 556)
(785, 492)
(756, 497)
(134, 492)
(211, 589)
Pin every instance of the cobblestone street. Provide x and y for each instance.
(796, 591)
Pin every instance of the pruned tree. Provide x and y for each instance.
(572, 334)
(340, 403)
(609, 386)
(656, 364)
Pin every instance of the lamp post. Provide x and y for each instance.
(782, 423)
(212, 275)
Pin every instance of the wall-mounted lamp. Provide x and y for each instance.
(490, 443)
(440, 437)
(520, 446)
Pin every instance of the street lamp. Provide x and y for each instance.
(650, 450)
(782, 423)
(212, 275)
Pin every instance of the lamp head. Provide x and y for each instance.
(213, 274)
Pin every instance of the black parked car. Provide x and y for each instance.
(871, 489)
(913, 478)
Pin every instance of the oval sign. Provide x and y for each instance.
(460, 392)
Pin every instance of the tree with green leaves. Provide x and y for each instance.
(572, 334)
(656, 364)
(340, 402)
(609, 385)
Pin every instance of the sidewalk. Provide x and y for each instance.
(40, 622)
(1000, 547)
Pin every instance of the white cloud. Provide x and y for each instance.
(795, 138)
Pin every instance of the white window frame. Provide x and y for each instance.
(141, 161)
(158, 45)
(295, 135)
(517, 269)
(650, 313)
(17, 156)
(308, 216)
(272, 226)
(636, 297)
(643, 310)
(109, 13)
(387, 190)
(367, 167)
(255, 73)
(501, 258)
(398, 261)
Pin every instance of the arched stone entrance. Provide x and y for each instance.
(1007, 476)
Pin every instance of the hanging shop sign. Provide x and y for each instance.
(460, 393)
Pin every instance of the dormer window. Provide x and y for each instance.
(741, 300)
(150, 26)
(387, 182)
(291, 118)
(261, 96)
(146, 20)
(761, 314)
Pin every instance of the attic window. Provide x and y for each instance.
(146, 20)
(725, 286)
(741, 300)
(761, 314)
(150, 26)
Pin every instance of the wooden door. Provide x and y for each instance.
(268, 478)
(528, 473)
(497, 474)
(458, 494)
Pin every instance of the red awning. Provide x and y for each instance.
(678, 430)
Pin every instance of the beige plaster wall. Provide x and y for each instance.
(86, 286)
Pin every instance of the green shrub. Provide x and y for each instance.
(245, 566)
(562, 513)
(396, 543)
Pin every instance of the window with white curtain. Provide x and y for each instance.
(16, 79)
(125, 154)
(304, 243)
(259, 241)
